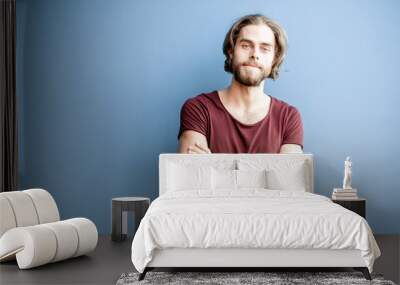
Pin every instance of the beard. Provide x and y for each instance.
(247, 78)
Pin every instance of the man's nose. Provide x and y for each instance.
(255, 54)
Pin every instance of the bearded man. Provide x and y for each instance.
(241, 118)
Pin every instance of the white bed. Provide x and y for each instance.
(270, 217)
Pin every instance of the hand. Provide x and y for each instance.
(197, 148)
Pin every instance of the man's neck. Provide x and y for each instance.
(245, 97)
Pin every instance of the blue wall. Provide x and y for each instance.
(101, 83)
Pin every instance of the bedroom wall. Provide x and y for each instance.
(100, 86)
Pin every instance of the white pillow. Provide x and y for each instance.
(282, 174)
(188, 177)
(223, 179)
(290, 179)
(251, 178)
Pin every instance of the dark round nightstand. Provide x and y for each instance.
(120, 207)
(358, 206)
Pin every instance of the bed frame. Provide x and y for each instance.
(249, 258)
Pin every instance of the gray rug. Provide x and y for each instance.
(228, 278)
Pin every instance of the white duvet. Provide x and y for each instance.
(250, 218)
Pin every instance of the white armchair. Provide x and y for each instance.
(32, 233)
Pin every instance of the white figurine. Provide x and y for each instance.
(347, 174)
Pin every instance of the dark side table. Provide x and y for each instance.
(357, 206)
(120, 208)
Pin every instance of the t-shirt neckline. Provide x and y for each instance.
(246, 125)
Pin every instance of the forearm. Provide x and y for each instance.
(291, 148)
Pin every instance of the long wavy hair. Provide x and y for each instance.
(257, 19)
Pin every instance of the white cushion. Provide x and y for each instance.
(7, 218)
(251, 178)
(282, 174)
(292, 179)
(227, 179)
(67, 239)
(46, 207)
(224, 179)
(87, 233)
(26, 208)
(23, 208)
(188, 177)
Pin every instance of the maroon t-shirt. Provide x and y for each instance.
(207, 115)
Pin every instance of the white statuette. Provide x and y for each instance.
(347, 174)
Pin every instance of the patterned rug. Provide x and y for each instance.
(270, 278)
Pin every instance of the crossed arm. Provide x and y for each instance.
(195, 142)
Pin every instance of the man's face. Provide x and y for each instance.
(253, 54)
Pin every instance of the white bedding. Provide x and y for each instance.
(250, 218)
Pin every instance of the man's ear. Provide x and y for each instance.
(230, 54)
(275, 55)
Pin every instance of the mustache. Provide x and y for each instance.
(252, 64)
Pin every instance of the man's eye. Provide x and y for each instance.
(265, 49)
(245, 46)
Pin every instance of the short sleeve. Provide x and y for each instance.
(194, 116)
(293, 132)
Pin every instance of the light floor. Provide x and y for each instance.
(111, 259)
